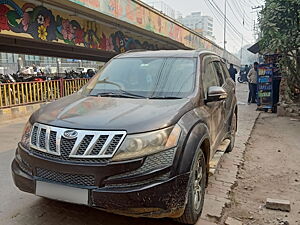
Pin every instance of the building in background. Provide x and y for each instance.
(195, 21)
(10, 63)
(162, 7)
(199, 23)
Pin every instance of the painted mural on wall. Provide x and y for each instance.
(43, 24)
(136, 13)
(35, 21)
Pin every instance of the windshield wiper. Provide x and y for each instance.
(120, 94)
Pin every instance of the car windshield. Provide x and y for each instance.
(145, 77)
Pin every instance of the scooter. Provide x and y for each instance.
(243, 77)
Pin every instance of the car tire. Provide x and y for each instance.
(196, 190)
(233, 129)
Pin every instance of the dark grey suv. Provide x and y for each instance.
(137, 139)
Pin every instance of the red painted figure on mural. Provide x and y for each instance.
(3, 18)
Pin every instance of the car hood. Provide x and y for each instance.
(106, 113)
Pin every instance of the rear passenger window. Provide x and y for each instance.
(225, 70)
(209, 77)
(219, 71)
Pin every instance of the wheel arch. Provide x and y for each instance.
(198, 137)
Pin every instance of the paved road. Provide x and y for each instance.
(18, 208)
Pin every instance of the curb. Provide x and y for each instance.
(18, 111)
(222, 183)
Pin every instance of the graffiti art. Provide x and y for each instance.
(42, 24)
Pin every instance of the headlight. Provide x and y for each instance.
(140, 145)
(26, 135)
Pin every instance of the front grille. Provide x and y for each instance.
(65, 178)
(153, 162)
(83, 146)
(43, 138)
(66, 147)
(113, 144)
(98, 146)
(52, 141)
(34, 135)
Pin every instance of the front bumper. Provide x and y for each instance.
(154, 194)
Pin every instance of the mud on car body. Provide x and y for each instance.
(137, 139)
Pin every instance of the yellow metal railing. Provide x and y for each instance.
(24, 93)
(72, 86)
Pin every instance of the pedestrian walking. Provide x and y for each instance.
(232, 72)
(252, 80)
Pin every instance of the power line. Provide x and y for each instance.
(243, 18)
(234, 29)
(218, 20)
(240, 9)
(216, 7)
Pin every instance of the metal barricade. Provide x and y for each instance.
(24, 93)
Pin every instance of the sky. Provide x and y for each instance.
(237, 11)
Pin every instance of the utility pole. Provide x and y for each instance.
(241, 56)
(255, 30)
(225, 23)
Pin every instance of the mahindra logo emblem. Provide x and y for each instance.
(70, 134)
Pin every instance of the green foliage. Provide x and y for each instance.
(280, 32)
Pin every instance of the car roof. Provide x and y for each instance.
(164, 53)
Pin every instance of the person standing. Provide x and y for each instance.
(247, 69)
(252, 79)
(232, 72)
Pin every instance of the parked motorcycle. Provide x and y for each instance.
(242, 77)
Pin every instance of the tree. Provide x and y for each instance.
(280, 32)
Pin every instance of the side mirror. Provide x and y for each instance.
(216, 93)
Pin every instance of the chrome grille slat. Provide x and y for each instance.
(47, 138)
(99, 145)
(105, 146)
(58, 140)
(38, 138)
(77, 144)
(92, 144)
(86, 144)
(66, 147)
(112, 145)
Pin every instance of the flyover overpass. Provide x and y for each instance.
(92, 29)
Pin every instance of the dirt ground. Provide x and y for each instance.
(271, 170)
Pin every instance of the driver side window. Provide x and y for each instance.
(209, 76)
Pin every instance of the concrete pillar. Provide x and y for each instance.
(58, 64)
(20, 63)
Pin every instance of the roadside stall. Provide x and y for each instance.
(268, 80)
